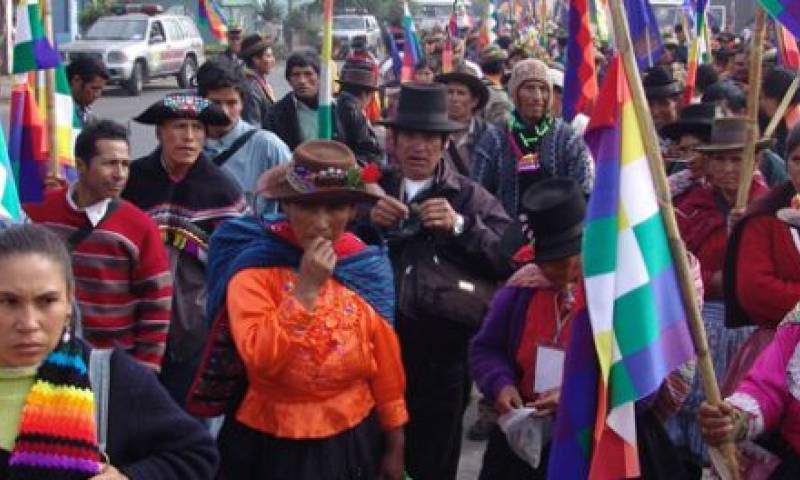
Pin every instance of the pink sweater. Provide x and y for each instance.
(770, 392)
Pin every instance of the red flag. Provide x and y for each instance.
(27, 145)
(787, 46)
(580, 80)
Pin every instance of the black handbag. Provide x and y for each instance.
(446, 290)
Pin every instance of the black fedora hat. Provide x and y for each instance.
(730, 133)
(181, 105)
(475, 85)
(555, 209)
(695, 119)
(422, 107)
(659, 83)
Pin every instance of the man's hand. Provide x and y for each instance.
(716, 422)
(388, 212)
(316, 267)
(508, 399)
(437, 214)
(547, 404)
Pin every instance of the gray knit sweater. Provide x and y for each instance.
(562, 154)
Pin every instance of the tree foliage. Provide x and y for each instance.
(270, 11)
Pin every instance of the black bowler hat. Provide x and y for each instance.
(555, 208)
(659, 83)
(187, 106)
(695, 119)
(422, 107)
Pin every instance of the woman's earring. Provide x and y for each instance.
(67, 335)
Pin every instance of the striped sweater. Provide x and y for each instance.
(123, 284)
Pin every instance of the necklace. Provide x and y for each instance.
(530, 136)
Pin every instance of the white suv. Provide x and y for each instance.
(137, 47)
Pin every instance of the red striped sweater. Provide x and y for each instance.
(123, 282)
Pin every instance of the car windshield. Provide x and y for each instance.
(348, 23)
(117, 30)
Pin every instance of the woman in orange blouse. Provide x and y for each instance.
(310, 325)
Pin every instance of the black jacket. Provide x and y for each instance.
(149, 436)
(256, 103)
(350, 127)
(477, 249)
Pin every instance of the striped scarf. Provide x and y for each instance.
(57, 434)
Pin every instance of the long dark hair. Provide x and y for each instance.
(36, 240)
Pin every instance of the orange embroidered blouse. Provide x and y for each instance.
(312, 374)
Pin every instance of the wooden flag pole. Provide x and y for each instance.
(677, 247)
(782, 107)
(50, 79)
(325, 122)
(754, 83)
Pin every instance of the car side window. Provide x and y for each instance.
(157, 33)
(189, 28)
(174, 30)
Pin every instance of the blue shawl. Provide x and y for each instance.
(247, 242)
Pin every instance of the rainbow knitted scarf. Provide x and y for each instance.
(57, 434)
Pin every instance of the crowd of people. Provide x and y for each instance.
(250, 302)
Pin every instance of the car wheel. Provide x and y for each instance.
(187, 72)
(135, 83)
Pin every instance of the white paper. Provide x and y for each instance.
(549, 369)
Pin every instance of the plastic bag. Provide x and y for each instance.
(526, 434)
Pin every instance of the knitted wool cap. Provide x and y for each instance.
(528, 69)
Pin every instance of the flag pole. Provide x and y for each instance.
(50, 79)
(754, 83)
(782, 107)
(677, 247)
(325, 124)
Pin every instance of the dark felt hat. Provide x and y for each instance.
(186, 106)
(730, 133)
(695, 119)
(475, 85)
(555, 209)
(254, 44)
(360, 73)
(659, 83)
(422, 107)
(320, 170)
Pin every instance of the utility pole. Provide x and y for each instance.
(289, 34)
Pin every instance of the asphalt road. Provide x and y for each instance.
(116, 104)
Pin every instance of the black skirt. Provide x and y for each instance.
(354, 454)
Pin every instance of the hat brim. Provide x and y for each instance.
(557, 251)
(663, 91)
(475, 85)
(729, 147)
(373, 88)
(676, 130)
(159, 113)
(275, 186)
(422, 125)
(255, 49)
